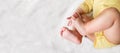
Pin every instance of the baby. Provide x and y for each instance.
(103, 28)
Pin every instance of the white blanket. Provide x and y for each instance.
(32, 26)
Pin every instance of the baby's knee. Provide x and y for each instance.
(115, 12)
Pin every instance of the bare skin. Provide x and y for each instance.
(109, 22)
(73, 35)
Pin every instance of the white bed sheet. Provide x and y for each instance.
(32, 26)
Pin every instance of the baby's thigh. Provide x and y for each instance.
(113, 33)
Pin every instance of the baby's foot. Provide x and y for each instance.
(78, 24)
(69, 22)
(73, 36)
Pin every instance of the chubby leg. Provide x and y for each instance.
(73, 35)
(108, 21)
(85, 19)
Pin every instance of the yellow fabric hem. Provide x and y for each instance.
(101, 41)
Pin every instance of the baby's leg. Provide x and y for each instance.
(73, 35)
(85, 18)
(108, 21)
(80, 20)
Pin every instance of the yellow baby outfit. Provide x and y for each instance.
(97, 6)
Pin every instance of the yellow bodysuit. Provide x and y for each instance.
(97, 6)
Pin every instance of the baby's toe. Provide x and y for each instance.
(62, 30)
